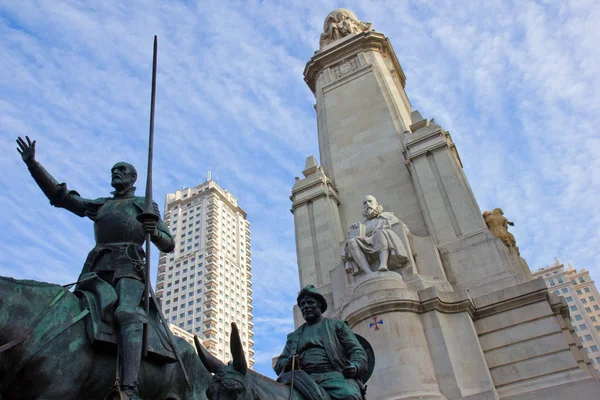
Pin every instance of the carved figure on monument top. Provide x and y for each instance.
(118, 257)
(373, 238)
(498, 224)
(340, 23)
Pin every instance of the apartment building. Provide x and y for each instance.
(581, 294)
(205, 285)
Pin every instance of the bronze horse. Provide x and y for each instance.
(45, 353)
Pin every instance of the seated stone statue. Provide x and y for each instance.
(325, 356)
(375, 238)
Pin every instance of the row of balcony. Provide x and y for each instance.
(210, 312)
(211, 302)
(211, 290)
(211, 245)
(212, 235)
(209, 330)
(210, 275)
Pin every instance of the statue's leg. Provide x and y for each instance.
(381, 246)
(383, 260)
(358, 255)
(130, 324)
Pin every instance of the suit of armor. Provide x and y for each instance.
(118, 257)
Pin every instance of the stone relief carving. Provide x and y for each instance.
(345, 67)
(340, 23)
(371, 239)
(498, 225)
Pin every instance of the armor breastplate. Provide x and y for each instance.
(116, 222)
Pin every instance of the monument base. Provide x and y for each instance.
(514, 343)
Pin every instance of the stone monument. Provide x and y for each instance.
(449, 306)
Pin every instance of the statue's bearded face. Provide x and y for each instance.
(123, 176)
(371, 208)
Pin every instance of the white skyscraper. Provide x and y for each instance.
(206, 283)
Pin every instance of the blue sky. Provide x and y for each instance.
(516, 83)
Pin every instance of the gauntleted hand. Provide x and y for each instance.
(150, 227)
(26, 150)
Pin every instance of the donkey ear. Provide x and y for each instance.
(211, 363)
(237, 351)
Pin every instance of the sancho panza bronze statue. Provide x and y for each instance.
(118, 257)
(323, 357)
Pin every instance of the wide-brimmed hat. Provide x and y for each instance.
(311, 290)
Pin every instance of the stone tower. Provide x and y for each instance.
(457, 315)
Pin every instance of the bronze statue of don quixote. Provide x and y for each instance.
(108, 339)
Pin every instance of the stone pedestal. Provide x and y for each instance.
(401, 336)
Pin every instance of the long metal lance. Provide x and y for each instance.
(148, 214)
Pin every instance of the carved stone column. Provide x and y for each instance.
(318, 231)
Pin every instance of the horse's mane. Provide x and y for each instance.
(29, 282)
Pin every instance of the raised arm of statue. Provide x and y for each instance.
(57, 193)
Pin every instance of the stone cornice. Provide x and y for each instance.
(366, 41)
(432, 138)
(407, 305)
(437, 304)
(322, 193)
(512, 303)
(559, 305)
(317, 186)
(307, 183)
